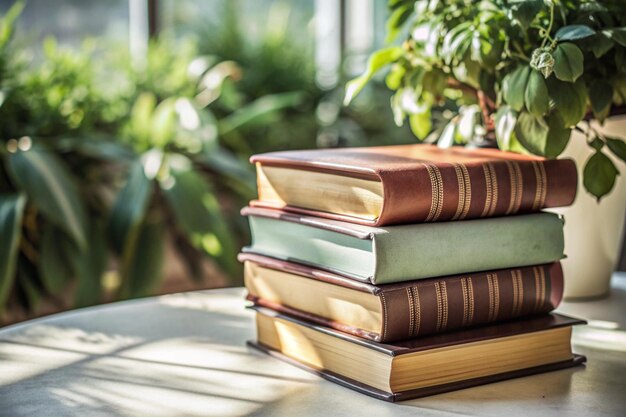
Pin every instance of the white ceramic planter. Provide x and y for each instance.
(593, 231)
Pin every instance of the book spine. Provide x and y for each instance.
(456, 191)
(438, 305)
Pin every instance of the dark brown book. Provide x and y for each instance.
(423, 366)
(411, 183)
(392, 312)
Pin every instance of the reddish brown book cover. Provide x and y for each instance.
(424, 183)
(428, 306)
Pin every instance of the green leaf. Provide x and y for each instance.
(456, 41)
(90, 266)
(163, 123)
(395, 21)
(103, 149)
(568, 65)
(600, 45)
(7, 22)
(601, 96)
(435, 82)
(546, 137)
(506, 118)
(597, 143)
(573, 32)
(130, 207)
(570, 99)
(599, 175)
(467, 123)
(558, 136)
(617, 34)
(514, 87)
(51, 188)
(258, 111)
(532, 132)
(525, 11)
(54, 264)
(446, 139)
(421, 123)
(198, 213)
(142, 262)
(377, 61)
(226, 163)
(11, 212)
(618, 147)
(536, 94)
(393, 80)
(141, 117)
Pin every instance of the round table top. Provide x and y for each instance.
(186, 354)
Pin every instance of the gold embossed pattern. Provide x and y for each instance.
(437, 193)
(491, 195)
(540, 287)
(541, 187)
(518, 292)
(516, 185)
(465, 191)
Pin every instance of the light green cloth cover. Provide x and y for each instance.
(415, 251)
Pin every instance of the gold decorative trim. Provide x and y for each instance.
(468, 300)
(540, 282)
(541, 186)
(465, 301)
(517, 186)
(384, 302)
(494, 296)
(518, 292)
(442, 305)
(491, 190)
(418, 312)
(465, 191)
(436, 182)
(409, 294)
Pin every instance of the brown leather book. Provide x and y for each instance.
(422, 366)
(411, 183)
(392, 312)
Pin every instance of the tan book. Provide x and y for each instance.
(422, 366)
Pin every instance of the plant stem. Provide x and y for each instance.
(548, 37)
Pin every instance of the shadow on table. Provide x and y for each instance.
(170, 358)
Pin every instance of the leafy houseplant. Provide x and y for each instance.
(48, 216)
(523, 72)
(274, 61)
(85, 175)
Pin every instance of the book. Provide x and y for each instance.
(411, 183)
(382, 255)
(394, 312)
(423, 366)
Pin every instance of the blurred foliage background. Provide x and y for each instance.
(122, 174)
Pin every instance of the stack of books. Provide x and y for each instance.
(405, 271)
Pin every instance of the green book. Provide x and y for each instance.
(381, 255)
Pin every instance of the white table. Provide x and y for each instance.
(185, 354)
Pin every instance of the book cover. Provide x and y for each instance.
(404, 310)
(382, 255)
(479, 335)
(424, 183)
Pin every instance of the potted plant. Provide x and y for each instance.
(536, 76)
